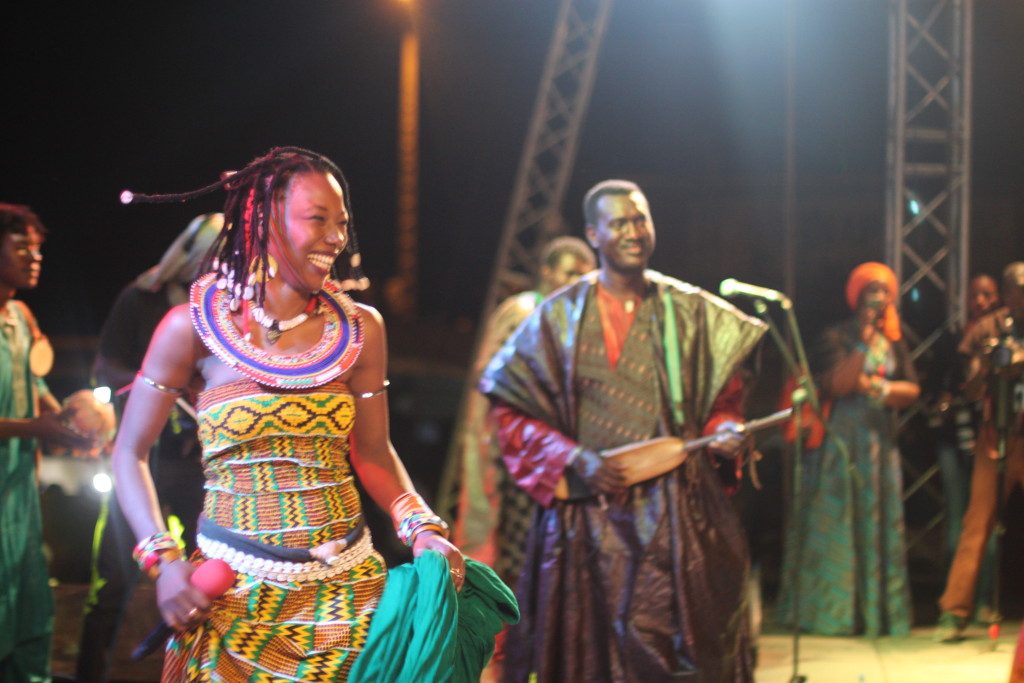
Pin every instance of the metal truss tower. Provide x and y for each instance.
(549, 153)
(534, 213)
(928, 195)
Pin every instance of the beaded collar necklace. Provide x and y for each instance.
(332, 356)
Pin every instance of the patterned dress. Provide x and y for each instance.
(277, 473)
(849, 546)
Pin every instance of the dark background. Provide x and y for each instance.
(689, 101)
(162, 97)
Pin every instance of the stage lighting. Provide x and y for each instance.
(101, 482)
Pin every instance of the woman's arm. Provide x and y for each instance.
(893, 394)
(170, 362)
(845, 373)
(901, 393)
(373, 456)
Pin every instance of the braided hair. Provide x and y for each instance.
(240, 252)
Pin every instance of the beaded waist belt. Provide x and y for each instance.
(247, 556)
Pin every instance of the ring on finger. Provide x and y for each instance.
(192, 612)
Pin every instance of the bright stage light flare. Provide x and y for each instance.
(101, 482)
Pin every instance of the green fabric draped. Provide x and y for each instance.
(424, 631)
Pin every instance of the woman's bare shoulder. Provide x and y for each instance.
(175, 339)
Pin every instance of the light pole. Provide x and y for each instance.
(400, 290)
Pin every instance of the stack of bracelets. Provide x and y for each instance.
(151, 550)
(412, 517)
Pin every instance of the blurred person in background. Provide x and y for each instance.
(994, 346)
(494, 514)
(847, 548)
(954, 421)
(175, 461)
(29, 413)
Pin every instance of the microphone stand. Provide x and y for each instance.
(803, 394)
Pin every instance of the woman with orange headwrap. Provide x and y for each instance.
(846, 548)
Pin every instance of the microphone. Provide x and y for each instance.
(214, 578)
(733, 287)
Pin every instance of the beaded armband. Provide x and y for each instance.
(150, 550)
(411, 517)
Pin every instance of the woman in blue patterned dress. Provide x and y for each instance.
(846, 547)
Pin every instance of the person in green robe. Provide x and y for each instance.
(28, 412)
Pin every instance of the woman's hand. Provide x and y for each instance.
(182, 605)
(871, 319)
(869, 322)
(431, 540)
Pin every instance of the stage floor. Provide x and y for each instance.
(915, 659)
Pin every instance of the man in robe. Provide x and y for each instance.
(637, 561)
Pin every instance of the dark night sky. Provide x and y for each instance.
(161, 97)
(689, 99)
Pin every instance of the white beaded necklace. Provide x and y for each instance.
(276, 327)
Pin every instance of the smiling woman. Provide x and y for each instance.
(279, 402)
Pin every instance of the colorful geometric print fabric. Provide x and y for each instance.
(277, 471)
(237, 412)
(276, 464)
(264, 630)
